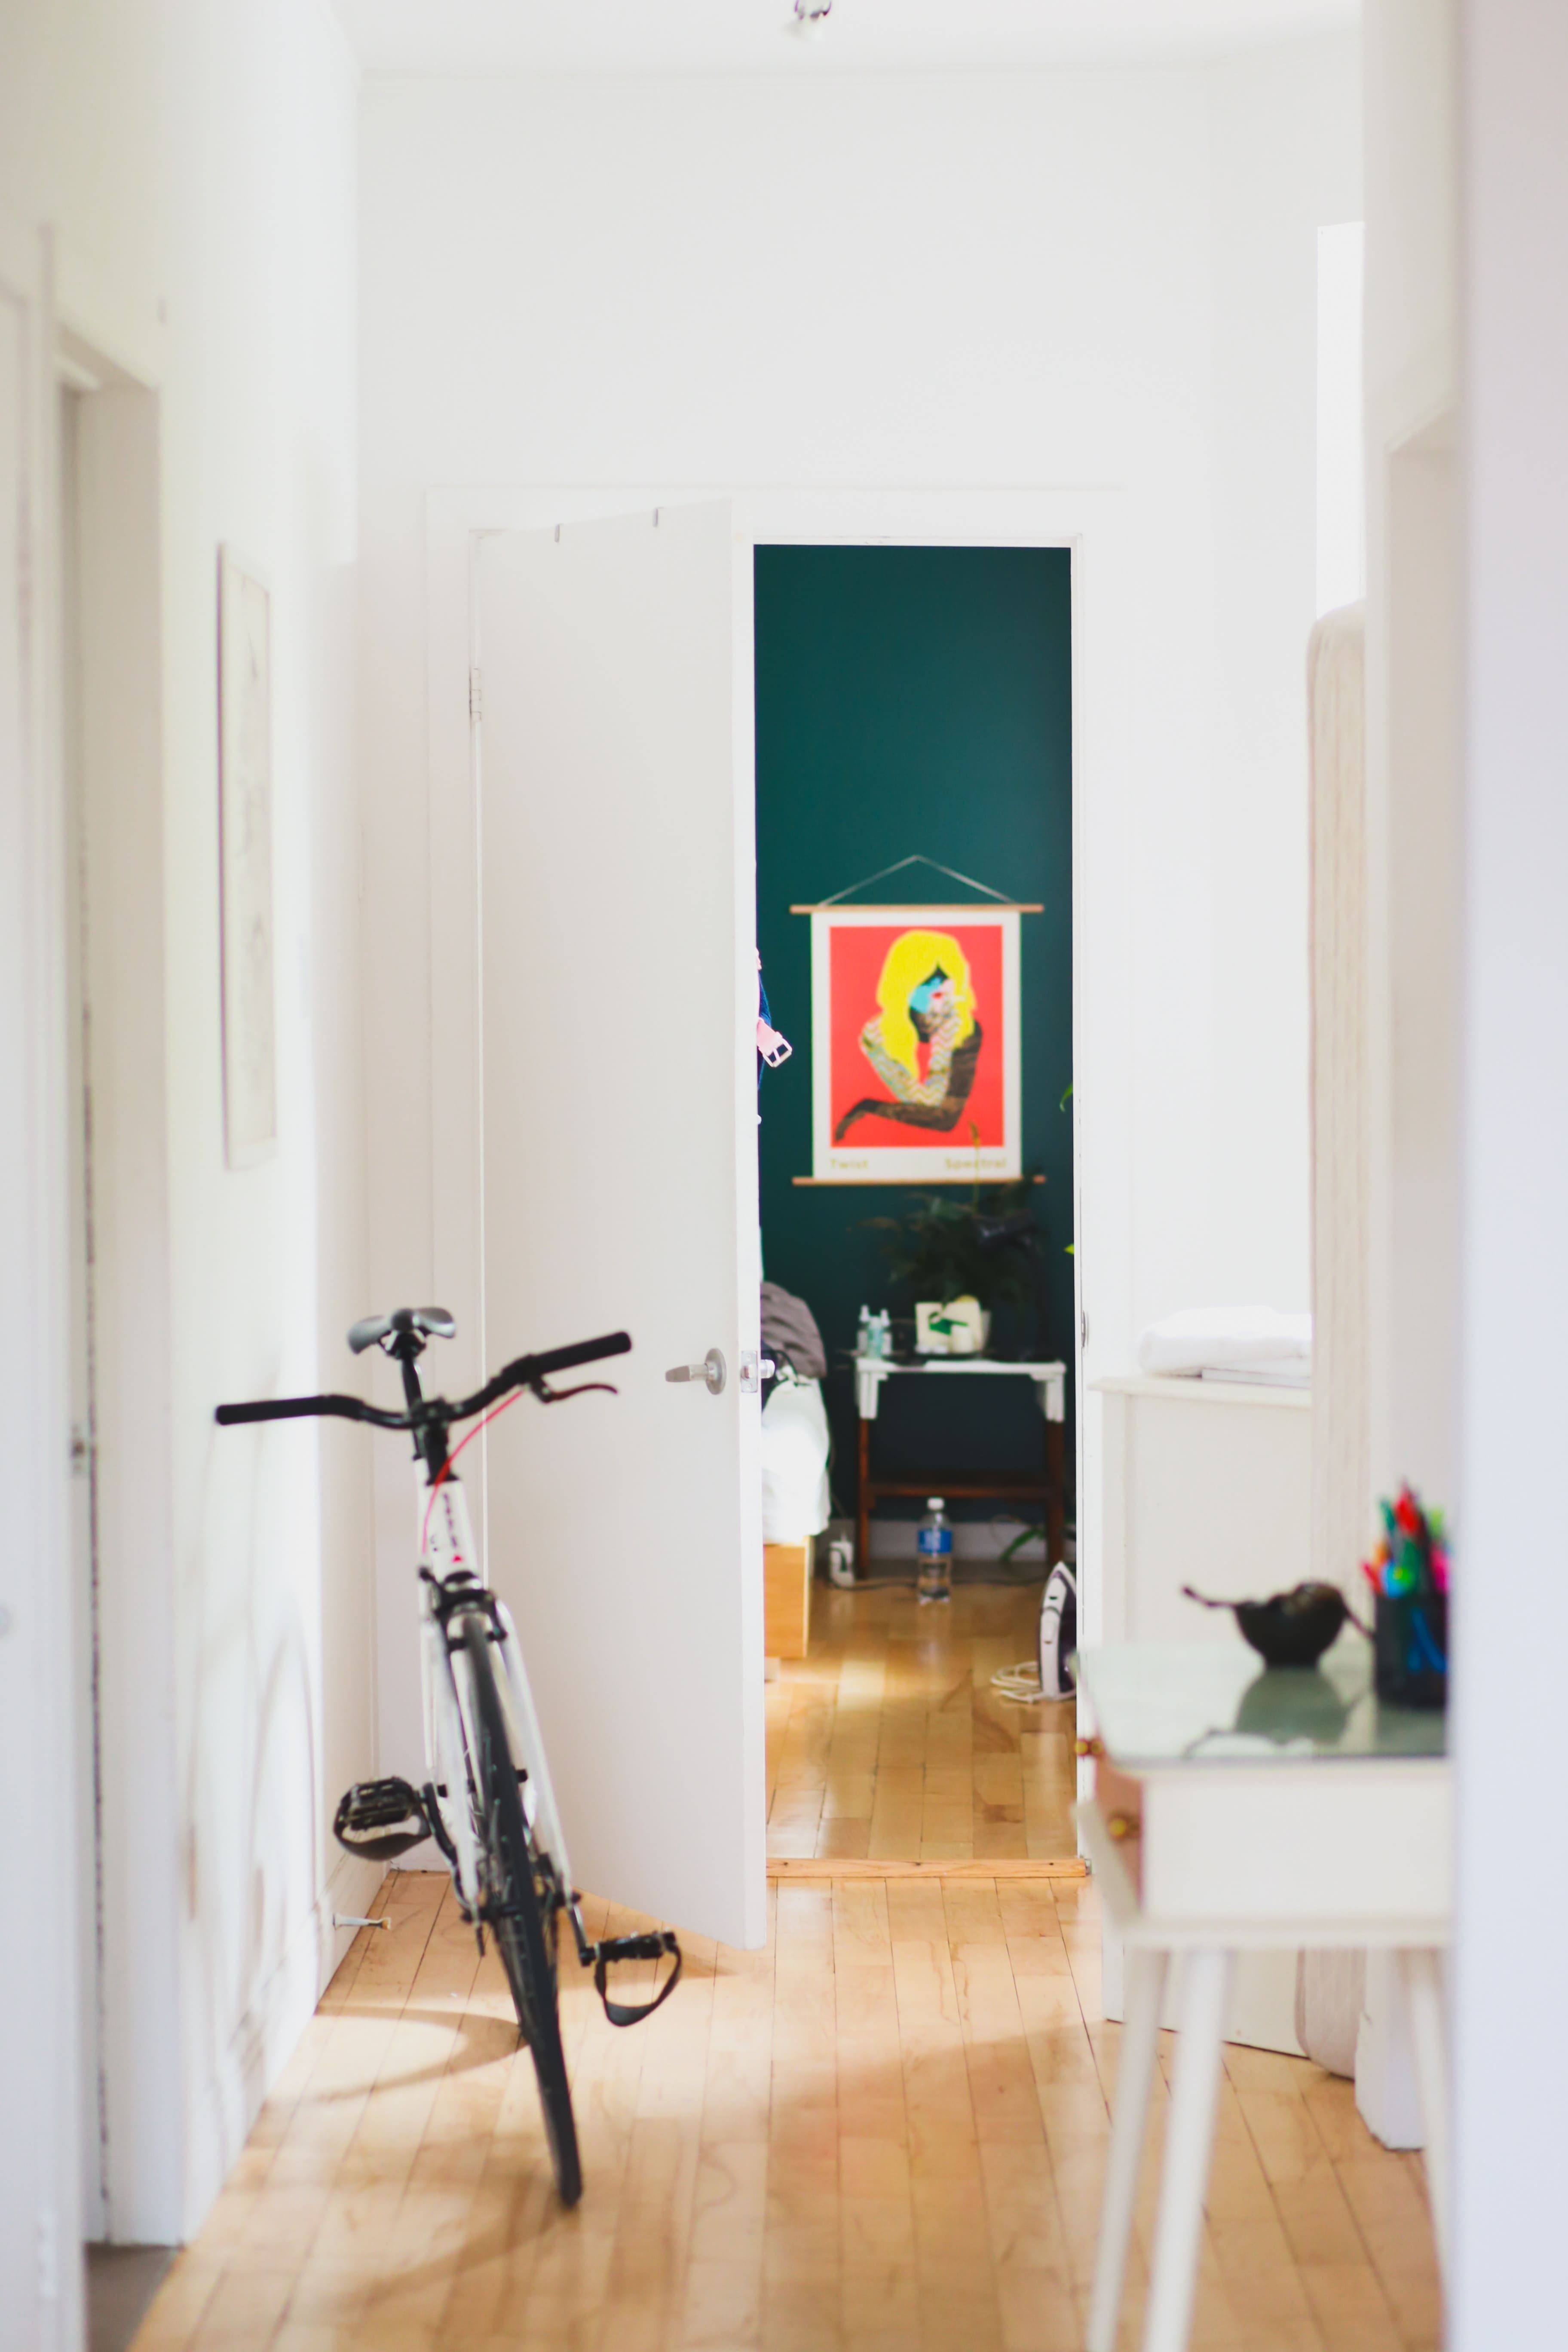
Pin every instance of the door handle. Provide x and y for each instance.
(710, 1372)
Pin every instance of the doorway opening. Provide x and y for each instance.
(916, 703)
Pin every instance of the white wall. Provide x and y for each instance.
(197, 158)
(1512, 2056)
(1412, 820)
(1467, 605)
(1412, 823)
(1286, 161)
(1101, 280)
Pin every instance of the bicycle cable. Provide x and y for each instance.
(545, 1394)
(437, 1483)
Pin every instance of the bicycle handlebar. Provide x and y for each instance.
(523, 1372)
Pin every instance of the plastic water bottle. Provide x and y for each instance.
(936, 1545)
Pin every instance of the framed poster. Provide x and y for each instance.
(245, 859)
(914, 1034)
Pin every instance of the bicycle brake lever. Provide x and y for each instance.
(547, 1395)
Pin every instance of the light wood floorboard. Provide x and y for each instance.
(884, 2133)
(888, 1743)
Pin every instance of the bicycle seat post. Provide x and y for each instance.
(405, 1349)
(405, 1344)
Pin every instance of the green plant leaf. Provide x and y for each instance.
(933, 1250)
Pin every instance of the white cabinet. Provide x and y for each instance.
(1207, 1483)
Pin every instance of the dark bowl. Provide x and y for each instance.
(1293, 1629)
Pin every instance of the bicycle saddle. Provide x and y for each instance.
(434, 1321)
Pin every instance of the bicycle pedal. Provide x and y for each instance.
(381, 1819)
(659, 1945)
(654, 1947)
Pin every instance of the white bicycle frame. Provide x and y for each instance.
(447, 1545)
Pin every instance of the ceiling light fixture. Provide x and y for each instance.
(810, 17)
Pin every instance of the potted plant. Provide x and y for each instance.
(967, 1257)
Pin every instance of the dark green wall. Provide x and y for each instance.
(913, 699)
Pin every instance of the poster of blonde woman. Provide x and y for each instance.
(914, 1044)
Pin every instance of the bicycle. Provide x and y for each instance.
(487, 1801)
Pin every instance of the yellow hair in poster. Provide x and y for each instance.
(912, 960)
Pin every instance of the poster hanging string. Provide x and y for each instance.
(937, 867)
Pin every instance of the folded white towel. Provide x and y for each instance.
(1220, 1339)
(1282, 1374)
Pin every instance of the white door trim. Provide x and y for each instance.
(108, 345)
(1089, 522)
(120, 783)
(40, 2275)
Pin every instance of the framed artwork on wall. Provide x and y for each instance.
(914, 1032)
(245, 857)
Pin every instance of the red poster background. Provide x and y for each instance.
(856, 953)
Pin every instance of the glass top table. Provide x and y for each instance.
(1263, 1809)
(1160, 1704)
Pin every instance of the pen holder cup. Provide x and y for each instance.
(1412, 1643)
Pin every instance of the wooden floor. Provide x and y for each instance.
(888, 1742)
(885, 2133)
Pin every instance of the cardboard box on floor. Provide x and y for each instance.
(786, 1598)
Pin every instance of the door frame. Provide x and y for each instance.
(40, 2203)
(108, 352)
(127, 1634)
(1090, 524)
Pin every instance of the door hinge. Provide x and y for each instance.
(476, 694)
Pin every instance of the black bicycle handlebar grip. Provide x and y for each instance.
(585, 1352)
(289, 1409)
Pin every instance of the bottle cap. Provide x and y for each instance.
(935, 1503)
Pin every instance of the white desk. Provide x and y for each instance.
(870, 1372)
(1050, 1382)
(1237, 1809)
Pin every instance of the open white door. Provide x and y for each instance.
(620, 1190)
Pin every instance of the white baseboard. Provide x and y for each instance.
(1262, 2001)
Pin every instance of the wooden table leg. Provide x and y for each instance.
(1135, 2076)
(1056, 1498)
(863, 1505)
(1205, 1982)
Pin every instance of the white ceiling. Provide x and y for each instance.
(863, 36)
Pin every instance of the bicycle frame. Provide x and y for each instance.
(447, 1549)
